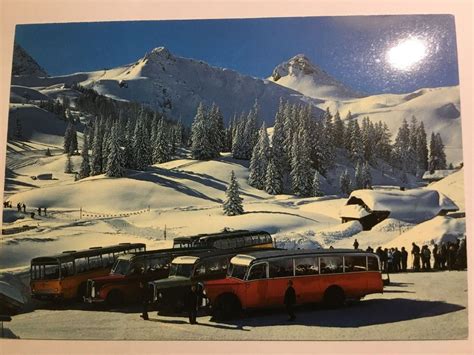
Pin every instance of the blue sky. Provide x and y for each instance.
(352, 49)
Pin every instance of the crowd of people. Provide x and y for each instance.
(443, 256)
(21, 207)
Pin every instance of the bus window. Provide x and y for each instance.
(160, 263)
(181, 270)
(51, 272)
(95, 262)
(81, 265)
(108, 260)
(258, 271)
(355, 263)
(331, 264)
(67, 269)
(306, 266)
(237, 271)
(280, 268)
(373, 263)
(121, 267)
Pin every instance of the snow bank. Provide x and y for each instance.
(338, 232)
(437, 230)
(392, 225)
(453, 187)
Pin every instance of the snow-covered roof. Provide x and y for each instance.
(409, 205)
(185, 260)
(353, 211)
(242, 259)
(437, 174)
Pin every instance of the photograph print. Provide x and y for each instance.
(293, 178)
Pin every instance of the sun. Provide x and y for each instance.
(407, 53)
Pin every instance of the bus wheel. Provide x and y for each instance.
(114, 298)
(334, 297)
(227, 307)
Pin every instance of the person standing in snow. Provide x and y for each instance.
(24, 208)
(18, 206)
(356, 244)
(426, 258)
(443, 256)
(290, 301)
(436, 264)
(404, 256)
(415, 251)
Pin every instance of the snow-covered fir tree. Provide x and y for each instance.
(202, 146)
(96, 158)
(162, 148)
(273, 181)
(141, 145)
(68, 168)
(115, 163)
(85, 170)
(233, 202)
(238, 139)
(437, 160)
(358, 176)
(422, 149)
(345, 183)
(366, 176)
(348, 131)
(70, 139)
(357, 148)
(400, 147)
(301, 174)
(128, 152)
(338, 132)
(259, 160)
(217, 132)
(317, 192)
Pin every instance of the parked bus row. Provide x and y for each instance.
(235, 271)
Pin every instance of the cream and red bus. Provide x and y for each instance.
(65, 275)
(259, 280)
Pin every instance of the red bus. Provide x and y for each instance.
(259, 280)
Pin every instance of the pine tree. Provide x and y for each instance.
(202, 147)
(345, 183)
(259, 160)
(96, 161)
(273, 181)
(301, 176)
(348, 131)
(85, 170)
(68, 168)
(358, 178)
(217, 132)
(422, 148)
(70, 139)
(437, 155)
(128, 152)
(141, 145)
(238, 139)
(357, 147)
(233, 202)
(338, 132)
(162, 148)
(366, 176)
(48, 152)
(278, 151)
(317, 185)
(115, 159)
(400, 147)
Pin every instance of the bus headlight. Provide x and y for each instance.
(93, 292)
(160, 295)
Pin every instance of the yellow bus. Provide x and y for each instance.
(64, 276)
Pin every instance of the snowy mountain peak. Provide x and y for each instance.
(24, 64)
(300, 74)
(158, 53)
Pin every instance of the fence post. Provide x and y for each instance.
(80, 213)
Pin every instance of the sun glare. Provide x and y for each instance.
(407, 53)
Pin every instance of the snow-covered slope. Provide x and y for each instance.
(453, 187)
(177, 85)
(298, 73)
(24, 64)
(438, 108)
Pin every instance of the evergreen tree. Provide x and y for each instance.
(96, 161)
(338, 132)
(233, 202)
(85, 169)
(141, 145)
(359, 177)
(437, 155)
(366, 176)
(400, 147)
(70, 139)
(238, 139)
(348, 131)
(278, 151)
(68, 168)
(301, 177)
(383, 147)
(202, 147)
(259, 160)
(162, 149)
(128, 152)
(357, 147)
(422, 149)
(273, 181)
(48, 152)
(115, 161)
(317, 185)
(345, 183)
(217, 131)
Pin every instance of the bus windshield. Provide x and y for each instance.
(181, 270)
(237, 271)
(121, 267)
(45, 271)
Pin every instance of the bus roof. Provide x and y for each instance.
(73, 254)
(212, 253)
(247, 258)
(218, 235)
(175, 251)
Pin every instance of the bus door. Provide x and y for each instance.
(256, 286)
(307, 283)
